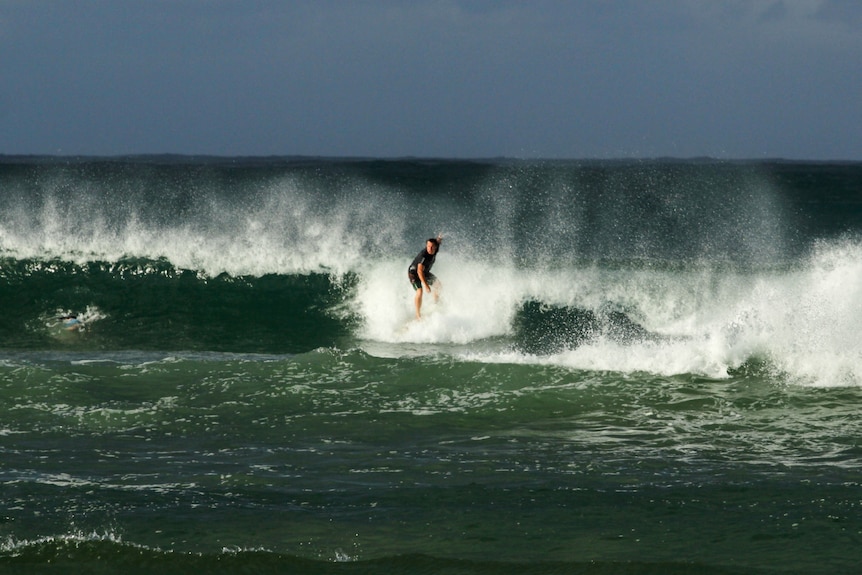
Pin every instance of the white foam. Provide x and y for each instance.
(476, 302)
(802, 321)
(15, 546)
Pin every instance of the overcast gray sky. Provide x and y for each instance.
(434, 78)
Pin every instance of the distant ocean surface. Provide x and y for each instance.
(635, 367)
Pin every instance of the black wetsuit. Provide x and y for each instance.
(427, 260)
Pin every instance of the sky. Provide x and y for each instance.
(578, 79)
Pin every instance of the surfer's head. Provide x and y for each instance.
(431, 245)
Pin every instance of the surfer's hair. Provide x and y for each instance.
(434, 241)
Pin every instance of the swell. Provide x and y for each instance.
(108, 553)
(152, 305)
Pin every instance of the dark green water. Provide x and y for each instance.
(633, 368)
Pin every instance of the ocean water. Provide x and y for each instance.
(634, 367)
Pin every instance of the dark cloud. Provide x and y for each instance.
(438, 78)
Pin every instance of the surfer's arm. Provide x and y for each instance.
(420, 271)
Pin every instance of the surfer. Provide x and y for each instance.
(419, 272)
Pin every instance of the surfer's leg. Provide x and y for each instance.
(434, 284)
(435, 289)
(417, 299)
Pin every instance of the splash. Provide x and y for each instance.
(801, 320)
(471, 306)
(285, 224)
